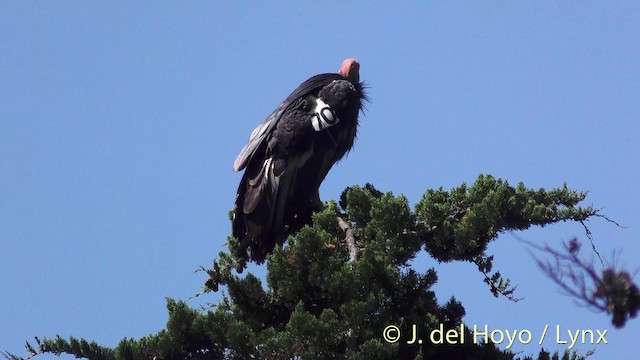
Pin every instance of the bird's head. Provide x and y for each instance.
(351, 70)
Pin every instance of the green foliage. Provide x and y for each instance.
(319, 305)
(567, 355)
(458, 224)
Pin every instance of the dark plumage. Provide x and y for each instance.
(288, 156)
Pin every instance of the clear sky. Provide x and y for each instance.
(119, 124)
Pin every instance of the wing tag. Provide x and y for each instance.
(324, 117)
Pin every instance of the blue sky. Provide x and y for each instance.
(119, 124)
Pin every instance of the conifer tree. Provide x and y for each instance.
(334, 288)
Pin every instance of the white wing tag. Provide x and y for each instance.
(324, 117)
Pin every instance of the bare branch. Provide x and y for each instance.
(350, 239)
(590, 237)
(597, 214)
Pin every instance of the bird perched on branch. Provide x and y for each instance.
(288, 156)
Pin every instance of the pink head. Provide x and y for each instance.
(351, 70)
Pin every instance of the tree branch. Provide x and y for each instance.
(349, 239)
(612, 291)
(497, 284)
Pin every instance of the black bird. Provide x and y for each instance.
(288, 156)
